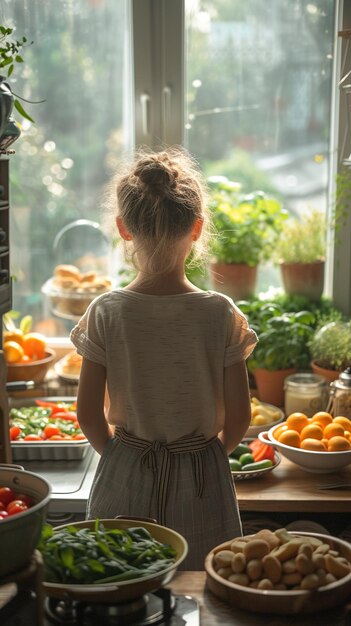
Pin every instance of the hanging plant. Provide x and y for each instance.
(11, 56)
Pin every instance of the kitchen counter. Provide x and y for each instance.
(215, 612)
(291, 489)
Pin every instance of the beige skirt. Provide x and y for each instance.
(200, 505)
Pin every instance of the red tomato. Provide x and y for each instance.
(3, 514)
(33, 438)
(16, 506)
(15, 431)
(57, 438)
(6, 495)
(79, 436)
(27, 499)
(51, 430)
(50, 405)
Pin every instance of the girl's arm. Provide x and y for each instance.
(237, 405)
(90, 404)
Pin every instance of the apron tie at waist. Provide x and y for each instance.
(193, 444)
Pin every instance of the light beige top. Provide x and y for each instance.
(165, 358)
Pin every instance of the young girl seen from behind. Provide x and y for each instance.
(173, 359)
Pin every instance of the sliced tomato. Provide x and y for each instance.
(6, 495)
(16, 506)
(15, 432)
(79, 436)
(66, 415)
(57, 438)
(33, 438)
(50, 430)
(3, 514)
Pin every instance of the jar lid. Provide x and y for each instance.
(305, 379)
(344, 379)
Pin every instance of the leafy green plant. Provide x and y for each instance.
(303, 240)
(330, 345)
(285, 325)
(10, 57)
(247, 226)
(282, 344)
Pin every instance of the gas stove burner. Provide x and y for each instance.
(158, 608)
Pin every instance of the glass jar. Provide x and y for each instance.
(305, 393)
(340, 395)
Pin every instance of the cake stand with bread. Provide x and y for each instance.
(70, 291)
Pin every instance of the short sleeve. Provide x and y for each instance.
(88, 335)
(241, 338)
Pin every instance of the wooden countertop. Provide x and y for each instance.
(289, 488)
(215, 612)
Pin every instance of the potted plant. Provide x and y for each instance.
(281, 350)
(247, 228)
(300, 252)
(330, 348)
(10, 58)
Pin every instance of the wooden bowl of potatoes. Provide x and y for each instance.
(263, 417)
(281, 572)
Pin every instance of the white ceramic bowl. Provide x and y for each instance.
(288, 602)
(309, 460)
(253, 431)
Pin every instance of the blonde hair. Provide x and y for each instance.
(160, 195)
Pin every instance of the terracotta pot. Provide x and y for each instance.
(270, 384)
(305, 279)
(236, 280)
(329, 375)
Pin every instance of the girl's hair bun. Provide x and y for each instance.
(156, 177)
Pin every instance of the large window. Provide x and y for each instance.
(246, 86)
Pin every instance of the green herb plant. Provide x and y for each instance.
(247, 226)
(303, 239)
(330, 345)
(285, 324)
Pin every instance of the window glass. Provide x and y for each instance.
(258, 97)
(79, 66)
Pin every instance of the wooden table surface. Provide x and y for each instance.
(289, 488)
(215, 612)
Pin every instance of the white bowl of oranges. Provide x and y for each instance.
(321, 443)
(26, 353)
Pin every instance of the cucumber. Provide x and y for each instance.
(252, 467)
(246, 458)
(235, 465)
(239, 450)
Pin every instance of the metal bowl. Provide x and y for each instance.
(19, 534)
(127, 589)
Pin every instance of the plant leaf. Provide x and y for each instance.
(22, 111)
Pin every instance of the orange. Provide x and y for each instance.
(13, 352)
(13, 335)
(277, 431)
(343, 421)
(290, 438)
(297, 421)
(347, 434)
(313, 444)
(338, 444)
(312, 431)
(34, 345)
(325, 442)
(26, 359)
(333, 430)
(322, 417)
